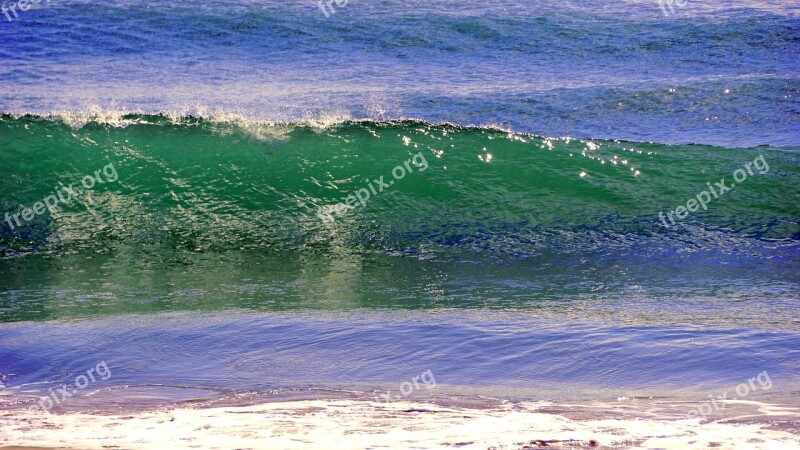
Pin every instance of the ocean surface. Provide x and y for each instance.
(592, 207)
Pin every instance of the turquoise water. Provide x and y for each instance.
(258, 200)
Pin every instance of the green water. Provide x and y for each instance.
(212, 214)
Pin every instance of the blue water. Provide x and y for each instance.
(713, 72)
(721, 73)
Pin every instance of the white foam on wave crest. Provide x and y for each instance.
(264, 130)
(78, 120)
(349, 424)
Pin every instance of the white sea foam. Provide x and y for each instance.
(347, 424)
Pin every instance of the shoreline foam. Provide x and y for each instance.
(350, 424)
